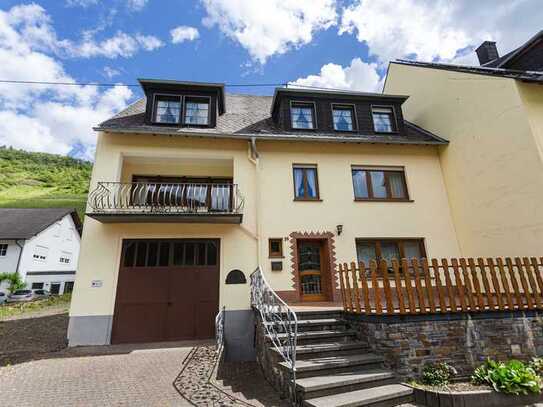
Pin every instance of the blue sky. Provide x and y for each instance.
(329, 43)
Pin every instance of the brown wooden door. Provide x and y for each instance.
(312, 270)
(167, 290)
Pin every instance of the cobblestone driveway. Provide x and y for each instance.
(122, 377)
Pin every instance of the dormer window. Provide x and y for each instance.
(302, 115)
(167, 109)
(383, 119)
(343, 117)
(196, 111)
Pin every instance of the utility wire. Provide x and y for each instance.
(98, 84)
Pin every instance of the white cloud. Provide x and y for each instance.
(110, 72)
(266, 28)
(120, 45)
(136, 5)
(439, 29)
(46, 117)
(359, 76)
(81, 3)
(184, 33)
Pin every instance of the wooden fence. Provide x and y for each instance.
(420, 286)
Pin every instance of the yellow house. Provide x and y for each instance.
(493, 166)
(193, 189)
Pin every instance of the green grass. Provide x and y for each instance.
(40, 180)
(24, 308)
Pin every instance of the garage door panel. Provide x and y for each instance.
(139, 323)
(143, 285)
(167, 300)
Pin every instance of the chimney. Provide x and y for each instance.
(487, 52)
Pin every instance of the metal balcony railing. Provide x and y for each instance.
(145, 197)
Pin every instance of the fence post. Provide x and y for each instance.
(365, 291)
(375, 288)
(399, 289)
(355, 287)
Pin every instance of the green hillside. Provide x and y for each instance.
(40, 180)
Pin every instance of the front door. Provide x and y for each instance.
(312, 270)
(55, 288)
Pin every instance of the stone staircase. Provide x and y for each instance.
(334, 369)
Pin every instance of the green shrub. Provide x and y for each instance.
(512, 377)
(437, 375)
(14, 280)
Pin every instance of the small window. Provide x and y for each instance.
(167, 109)
(383, 119)
(306, 185)
(302, 116)
(343, 117)
(37, 286)
(276, 248)
(3, 249)
(65, 258)
(197, 111)
(68, 287)
(40, 254)
(388, 249)
(375, 184)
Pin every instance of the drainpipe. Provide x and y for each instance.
(20, 255)
(255, 159)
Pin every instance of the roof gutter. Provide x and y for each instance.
(270, 137)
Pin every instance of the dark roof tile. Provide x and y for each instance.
(23, 223)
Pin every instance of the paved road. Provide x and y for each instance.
(131, 377)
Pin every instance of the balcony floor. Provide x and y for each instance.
(123, 217)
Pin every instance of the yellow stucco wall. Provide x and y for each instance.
(270, 211)
(492, 168)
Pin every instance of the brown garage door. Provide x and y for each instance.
(167, 290)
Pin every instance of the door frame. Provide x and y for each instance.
(328, 265)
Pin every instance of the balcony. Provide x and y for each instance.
(122, 202)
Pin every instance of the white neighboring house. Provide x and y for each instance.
(42, 245)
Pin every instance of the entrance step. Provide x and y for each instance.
(313, 350)
(312, 336)
(318, 314)
(320, 386)
(382, 396)
(316, 324)
(333, 364)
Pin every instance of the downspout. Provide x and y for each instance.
(20, 255)
(254, 157)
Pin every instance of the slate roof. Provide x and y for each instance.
(18, 223)
(502, 61)
(526, 76)
(248, 116)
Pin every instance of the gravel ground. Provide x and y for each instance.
(24, 338)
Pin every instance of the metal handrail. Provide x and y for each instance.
(166, 197)
(219, 330)
(277, 318)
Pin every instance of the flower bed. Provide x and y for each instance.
(447, 397)
(493, 384)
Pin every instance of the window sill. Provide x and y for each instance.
(382, 200)
(276, 257)
(307, 200)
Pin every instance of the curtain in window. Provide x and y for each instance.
(299, 182)
(378, 184)
(302, 117)
(310, 173)
(343, 120)
(397, 187)
(365, 252)
(389, 251)
(220, 197)
(360, 184)
(196, 113)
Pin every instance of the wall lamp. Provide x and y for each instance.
(339, 229)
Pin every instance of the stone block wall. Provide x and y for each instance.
(463, 340)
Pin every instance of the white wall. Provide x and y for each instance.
(8, 263)
(58, 240)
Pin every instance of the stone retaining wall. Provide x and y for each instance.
(268, 360)
(462, 340)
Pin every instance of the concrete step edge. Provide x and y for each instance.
(311, 384)
(334, 362)
(365, 397)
